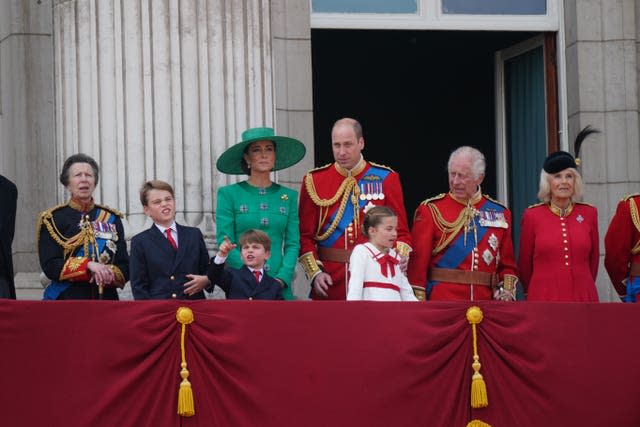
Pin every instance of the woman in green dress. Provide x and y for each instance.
(260, 203)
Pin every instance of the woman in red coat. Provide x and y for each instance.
(559, 249)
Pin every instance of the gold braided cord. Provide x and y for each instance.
(323, 203)
(633, 208)
(345, 190)
(84, 237)
(449, 229)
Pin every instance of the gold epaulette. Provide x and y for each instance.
(381, 166)
(535, 205)
(431, 199)
(319, 168)
(630, 196)
(635, 218)
(110, 209)
(496, 201)
(403, 249)
(41, 217)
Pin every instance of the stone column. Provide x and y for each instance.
(27, 143)
(158, 90)
(602, 86)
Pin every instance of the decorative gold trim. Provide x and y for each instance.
(419, 292)
(498, 202)
(434, 198)
(510, 282)
(349, 187)
(635, 218)
(81, 207)
(472, 200)
(382, 166)
(355, 171)
(119, 276)
(309, 265)
(450, 229)
(559, 211)
(403, 249)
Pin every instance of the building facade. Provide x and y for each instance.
(159, 89)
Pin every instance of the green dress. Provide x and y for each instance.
(273, 210)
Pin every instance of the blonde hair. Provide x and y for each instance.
(544, 191)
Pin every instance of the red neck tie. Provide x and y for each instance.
(257, 274)
(170, 239)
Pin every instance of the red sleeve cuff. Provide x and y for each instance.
(75, 270)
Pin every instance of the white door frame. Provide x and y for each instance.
(501, 56)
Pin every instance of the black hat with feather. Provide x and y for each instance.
(561, 160)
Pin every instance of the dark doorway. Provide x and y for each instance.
(413, 92)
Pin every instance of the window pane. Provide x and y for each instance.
(364, 6)
(495, 7)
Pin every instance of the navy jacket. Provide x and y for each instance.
(157, 271)
(240, 283)
(8, 200)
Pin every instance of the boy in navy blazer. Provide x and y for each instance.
(251, 281)
(168, 260)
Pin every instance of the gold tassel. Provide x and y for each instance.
(184, 316)
(478, 389)
(477, 423)
(185, 394)
(479, 397)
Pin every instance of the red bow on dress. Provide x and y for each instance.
(387, 264)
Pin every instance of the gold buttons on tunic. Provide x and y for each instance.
(172, 277)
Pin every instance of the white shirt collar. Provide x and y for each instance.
(173, 228)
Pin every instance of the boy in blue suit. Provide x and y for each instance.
(168, 260)
(250, 281)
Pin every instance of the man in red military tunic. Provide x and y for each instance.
(622, 249)
(333, 200)
(462, 247)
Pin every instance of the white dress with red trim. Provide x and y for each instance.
(375, 275)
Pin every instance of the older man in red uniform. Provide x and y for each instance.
(622, 249)
(462, 247)
(333, 200)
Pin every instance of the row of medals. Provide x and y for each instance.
(372, 191)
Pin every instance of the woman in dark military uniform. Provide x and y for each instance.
(81, 244)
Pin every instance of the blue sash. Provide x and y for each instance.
(459, 250)
(379, 175)
(633, 289)
(55, 288)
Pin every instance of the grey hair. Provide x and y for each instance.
(544, 192)
(478, 163)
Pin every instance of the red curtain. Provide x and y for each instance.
(307, 363)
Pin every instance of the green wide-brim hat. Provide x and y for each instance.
(289, 151)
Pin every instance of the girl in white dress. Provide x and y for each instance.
(374, 268)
